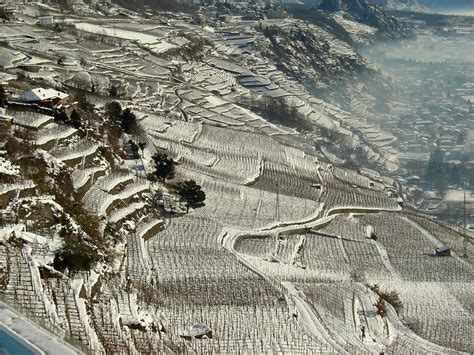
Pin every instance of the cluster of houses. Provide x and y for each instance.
(445, 117)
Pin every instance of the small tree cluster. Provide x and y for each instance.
(163, 167)
(17, 148)
(74, 119)
(125, 119)
(190, 193)
(76, 254)
(128, 121)
(113, 91)
(278, 110)
(381, 307)
(112, 111)
(83, 102)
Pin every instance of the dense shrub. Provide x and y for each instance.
(191, 193)
(391, 297)
(164, 167)
(75, 255)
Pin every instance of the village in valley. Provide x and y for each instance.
(224, 180)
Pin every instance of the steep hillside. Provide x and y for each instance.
(181, 191)
(314, 56)
(369, 14)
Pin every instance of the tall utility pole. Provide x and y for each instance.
(277, 212)
(465, 227)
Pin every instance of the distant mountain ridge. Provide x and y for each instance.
(367, 13)
(409, 5)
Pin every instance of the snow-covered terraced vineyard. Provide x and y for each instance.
(290, 253)
(279, 259)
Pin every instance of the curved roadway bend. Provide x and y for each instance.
(307, 317)
(185, 115)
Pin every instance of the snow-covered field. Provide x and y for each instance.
(281, 256)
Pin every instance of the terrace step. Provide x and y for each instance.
(52, 134)
(81, 153)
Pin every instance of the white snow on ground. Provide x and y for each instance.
(115, 32)
(56, 132)
(309, 319)
(124, 212)
(161, 47)
(20, 185)
(110, 182)
(37, 284)
(228, 152)
(7, 231)
(77, 285)
(71, 154)
(144, 228)
(52, 243)
(355, 28)
(31, 334)
(30, 119)
(81, 176)
(215, 101)
(7, 168)
(98, 201)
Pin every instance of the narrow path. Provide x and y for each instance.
(386, 260)
(310, 320)
(185, 115)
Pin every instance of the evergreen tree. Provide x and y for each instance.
(113, 91)
(435, 165)
(128, 121)
(164, 166)
(112, 111)
(60, 116)
(76, 119)
(191, 193)
(455, 176)
(3, 97)
(134, 148)
(435, 172)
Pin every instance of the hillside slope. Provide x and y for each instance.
(294, 250)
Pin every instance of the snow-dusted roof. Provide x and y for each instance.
(40, 94)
